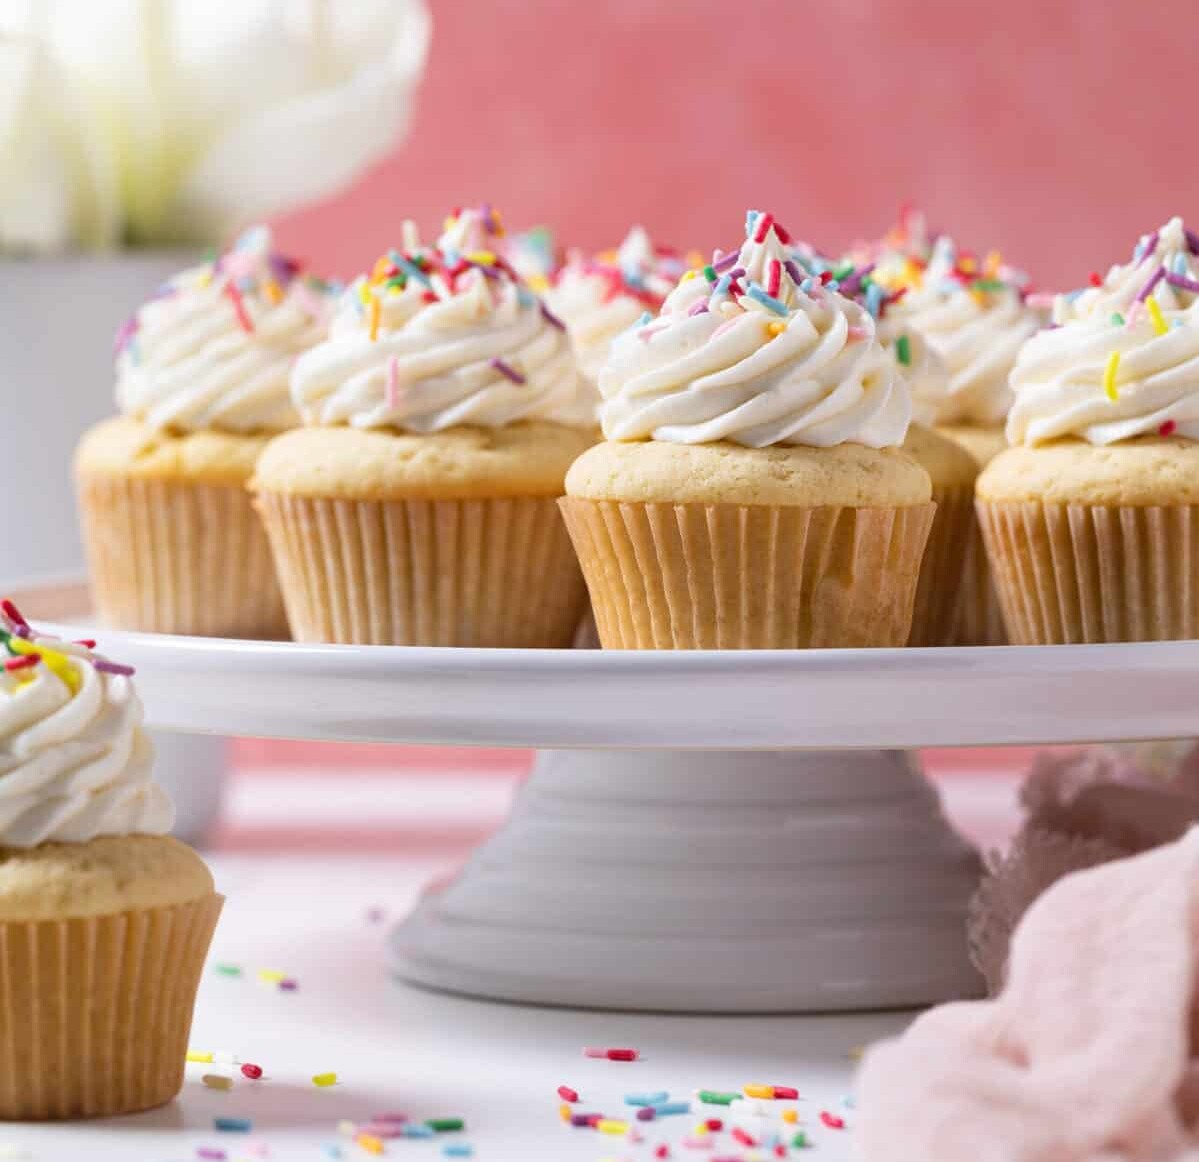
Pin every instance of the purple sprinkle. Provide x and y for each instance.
(551, 318)
(1151, 285)
(106, 667)
(853, 283)
(646, 1114)
(22, 631)
(287, 985)
(581, 1119)
(1192, 241)
(210, 1152)
(507, 370)
(1183, 283)
(124, 335)
(793, 271)
(699, 308)
(284, 269)
(381, 1119)
(726, 263)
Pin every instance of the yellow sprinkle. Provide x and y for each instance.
(538, 283)
(564, 1111)
(994, 261)
(376, 313)
(271, 975)
(700, 1130)
(364, 293)
(1109, 376)
(612, 1126)
(217, 1081)
(196, 1055)
(696, 260)
(204, 280)
(1155, 315)
(273, 292)
(483, 257)
(324, 1079)
(773, 329)
(59, 664)
(790, 1117)
(689, 275)
(968, 265)
(379, 271)
(369, 1143)
(766, 1091)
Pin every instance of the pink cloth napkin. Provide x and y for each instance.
(1088, 1054)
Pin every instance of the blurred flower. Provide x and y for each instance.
(174, 121)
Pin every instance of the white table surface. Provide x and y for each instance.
(395, 1048)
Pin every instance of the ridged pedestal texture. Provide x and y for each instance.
(707, 881)
(1073, 573)
(169, 557)
(426, 572)
(725, 576)
(95, 1013)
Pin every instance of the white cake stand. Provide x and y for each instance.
(710, 831)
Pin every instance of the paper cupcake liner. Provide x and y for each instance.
(941, 570)
(172, 557)
(1070, 573)
(727, 576)
(426, 572)
(95, 1013)
(979, 619)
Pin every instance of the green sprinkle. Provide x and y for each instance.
(800, 1141)
(709, 274)
(445, 1125)
(843, 272)
(713, 1097)
(1117, 319)
(987, 284)
(903, 350)
(229, 969)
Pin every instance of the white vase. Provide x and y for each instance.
(58, 317)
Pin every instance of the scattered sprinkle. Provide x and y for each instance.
(213, 1152)
(646, 1099)
(903, 350)
(323, 1080)
(715, 1097)
(568, 1094)
(1167, 429)
(370, 1143)
(228, 969)
(831, 1120)
(612, 1054)
(233, 1125)
(1110, 371)
(507, 370)
(457, 1150)
(197, 1055)
(217, 1081)
(252, 1071)
(1155, 316)
(612, 1126)
(445, 1125)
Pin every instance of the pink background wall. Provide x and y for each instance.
(1056, 130)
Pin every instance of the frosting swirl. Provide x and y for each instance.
(213, 349)
(435, 338)
(598, 298)
(1122, 359)
(74, 760)
(753, 352)
(973, 316)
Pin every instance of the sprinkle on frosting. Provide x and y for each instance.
(1122, 360)
(455, 325)
(758, 349)
(213, 347)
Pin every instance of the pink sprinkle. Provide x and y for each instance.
(13, 613)
(764, 224)
(698, 1143)
(832, 1121)
(393, 383)
(383, 1129)
(568, 1094)
(392, 1118)
(212, 1152)
(774, 277)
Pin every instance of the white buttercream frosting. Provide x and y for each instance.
(75, 762)
(754, 352)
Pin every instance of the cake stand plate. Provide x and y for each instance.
(733, 832)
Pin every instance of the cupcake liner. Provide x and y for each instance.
(95, 1013)
(941, 570)
(979, 619)
(727, 576)
(167, 556)
(426, 572)
(1070, 573)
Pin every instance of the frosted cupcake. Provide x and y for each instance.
(952, 470)
(600, 297)
(1090, 517)
(418, 507)
(751, 492)
(173, 543)
(104, 919)
(974, 315)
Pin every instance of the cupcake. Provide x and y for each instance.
(973, 316)
(418, 505)
(751, 491)
(173, 543)
(598, 298)
(951, 468)
(1090, 517)
(104, 919)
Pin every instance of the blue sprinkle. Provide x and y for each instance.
(807, 285)
(1176, 323)
(848, 1102)
(331, 1150)
(722, 285)
(457, 1150)
(756, 293)
(646, 317)
(670, 1108)
(411, 270)
(1070, 296)
(525, 297)
(646, 1099)
(1180, 264)
(874, 299)
(416, 1130)
(233, 1125)
(832, 285)
(751, 218)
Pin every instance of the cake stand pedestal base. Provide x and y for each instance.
(760, 881)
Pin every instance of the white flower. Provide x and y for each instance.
(154, 121)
